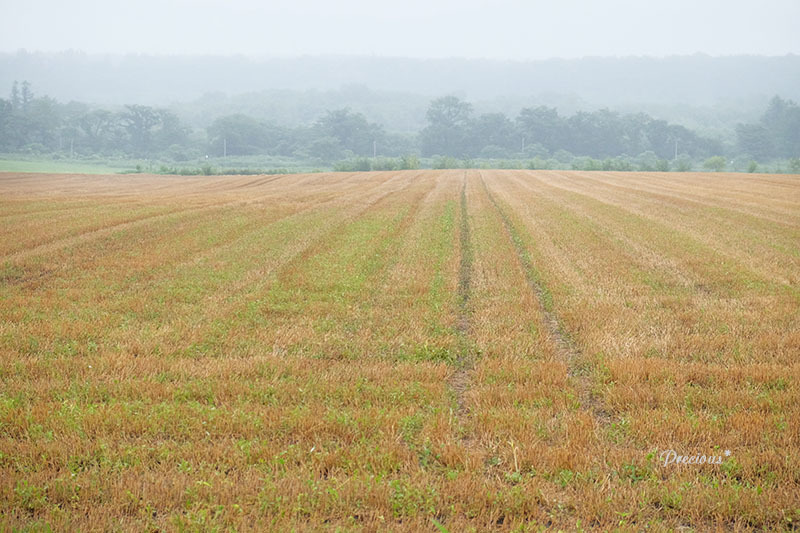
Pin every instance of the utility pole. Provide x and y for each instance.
(224, 147)
(676, 149)
(523, 144)
(374, 149)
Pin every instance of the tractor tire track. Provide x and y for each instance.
(577, 367)
(460, 381)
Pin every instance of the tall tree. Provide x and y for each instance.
(237, 135)
(448, 129)
(352, 130)
(542, 125)
(496, 130)
(6, 110)
(26, 94)
(139, 121)
(98, 129)
(16, 101)
(755, 140)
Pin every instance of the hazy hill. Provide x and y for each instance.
(692, 80)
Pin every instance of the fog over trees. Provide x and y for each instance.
(326, 109)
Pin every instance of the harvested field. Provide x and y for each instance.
(418, 350)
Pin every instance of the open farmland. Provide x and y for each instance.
(463, 350)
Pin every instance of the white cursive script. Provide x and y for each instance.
(671, 457)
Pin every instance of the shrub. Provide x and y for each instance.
(617, 164)
(359, 164)
(537, 163)
(445, 161)
(409, 162)
(683, 163)
(385, 163)
(716, 163)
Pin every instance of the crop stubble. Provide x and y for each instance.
(477, 349)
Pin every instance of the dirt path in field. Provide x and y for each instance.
(578, 368)
(459, 382)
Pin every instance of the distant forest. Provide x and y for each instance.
(40, 124)
(659, 113)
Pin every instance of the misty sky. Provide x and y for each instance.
(512, 29)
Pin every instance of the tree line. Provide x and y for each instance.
(453, 130)
(40, 124)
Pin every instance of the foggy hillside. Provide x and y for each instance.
(696, 80)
